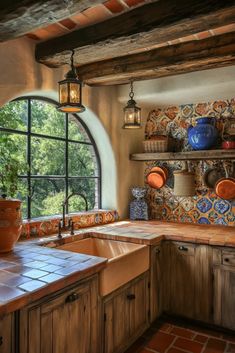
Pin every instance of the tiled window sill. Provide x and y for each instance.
(48, 225)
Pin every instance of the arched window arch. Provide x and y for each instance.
(59, 152)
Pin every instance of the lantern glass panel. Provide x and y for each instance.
(63, 93)
(74, 92)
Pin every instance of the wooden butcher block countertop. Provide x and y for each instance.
(31, 272)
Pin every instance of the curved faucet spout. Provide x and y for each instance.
(66, 203)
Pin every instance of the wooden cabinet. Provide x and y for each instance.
(7, 334)
(126, 315)
(158, 271)
(181, 280)
(224, 288)
(66, 322)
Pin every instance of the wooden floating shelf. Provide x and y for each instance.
(182, 156)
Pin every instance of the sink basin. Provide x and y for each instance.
(125, 260)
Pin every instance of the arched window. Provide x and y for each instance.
(59, 153)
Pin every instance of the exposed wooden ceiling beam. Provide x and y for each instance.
(19, 17)
(186, 57)
(137, 30)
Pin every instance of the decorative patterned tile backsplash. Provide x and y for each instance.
(205, 206)
(49, 225)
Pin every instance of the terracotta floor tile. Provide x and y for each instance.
(215, 346)
(160, 342)
(178, 331)
(191, 346)
(200, 338)
(175, 350)
(165, 327)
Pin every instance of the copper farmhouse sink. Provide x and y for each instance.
(125, 260)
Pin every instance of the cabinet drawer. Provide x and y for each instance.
(228, 258)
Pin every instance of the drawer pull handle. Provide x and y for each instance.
(226, 259)
(1, 341)
(130, 296)
(72, 297)
(183, 248)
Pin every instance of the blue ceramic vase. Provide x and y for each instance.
(204, 135)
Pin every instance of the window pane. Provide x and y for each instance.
(22, 195)
(46, 119)
(88, 188)
(47, 156)
(47, 197)
(13, 148)
(82, 160)
(14, 115)
(76, 130)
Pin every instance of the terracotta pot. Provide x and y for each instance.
(10, 223)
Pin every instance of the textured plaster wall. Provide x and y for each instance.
(21, 75)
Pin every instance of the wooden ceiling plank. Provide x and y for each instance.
(145, 26)
(19, 17)
(176, 59)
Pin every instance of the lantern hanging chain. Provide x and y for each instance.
(71, 59)
(131, 94)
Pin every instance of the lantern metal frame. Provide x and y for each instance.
(71, 78)
(132, 109)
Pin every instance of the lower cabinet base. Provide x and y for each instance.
(126, 315)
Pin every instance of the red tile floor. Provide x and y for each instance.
(169, 337)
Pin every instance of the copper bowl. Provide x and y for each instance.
(225, 188)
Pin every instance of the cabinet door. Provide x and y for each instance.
(126, 315)
(182, 258)
(138, 296)
(7, 344)
(224, 296)
(159, 276)
(203, 283)
(117, 322)
(63, 324)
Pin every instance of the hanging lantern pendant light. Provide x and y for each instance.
(132, 113)
(70, 92)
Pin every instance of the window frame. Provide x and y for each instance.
(29, 134)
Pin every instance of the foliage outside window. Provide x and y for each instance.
(56, 153)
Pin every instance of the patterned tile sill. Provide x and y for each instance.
(43, 226)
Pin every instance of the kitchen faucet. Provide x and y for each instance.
(62, 222)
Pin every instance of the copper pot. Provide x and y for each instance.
(157, 177)
(225, 187)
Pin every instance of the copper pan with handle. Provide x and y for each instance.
(225, 187)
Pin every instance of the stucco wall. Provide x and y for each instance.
(21, 75)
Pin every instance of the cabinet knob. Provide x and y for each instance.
(157, 251)
(226, 259)
(72, 297)
(183, 248)
(1, 340)
(130, 296)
